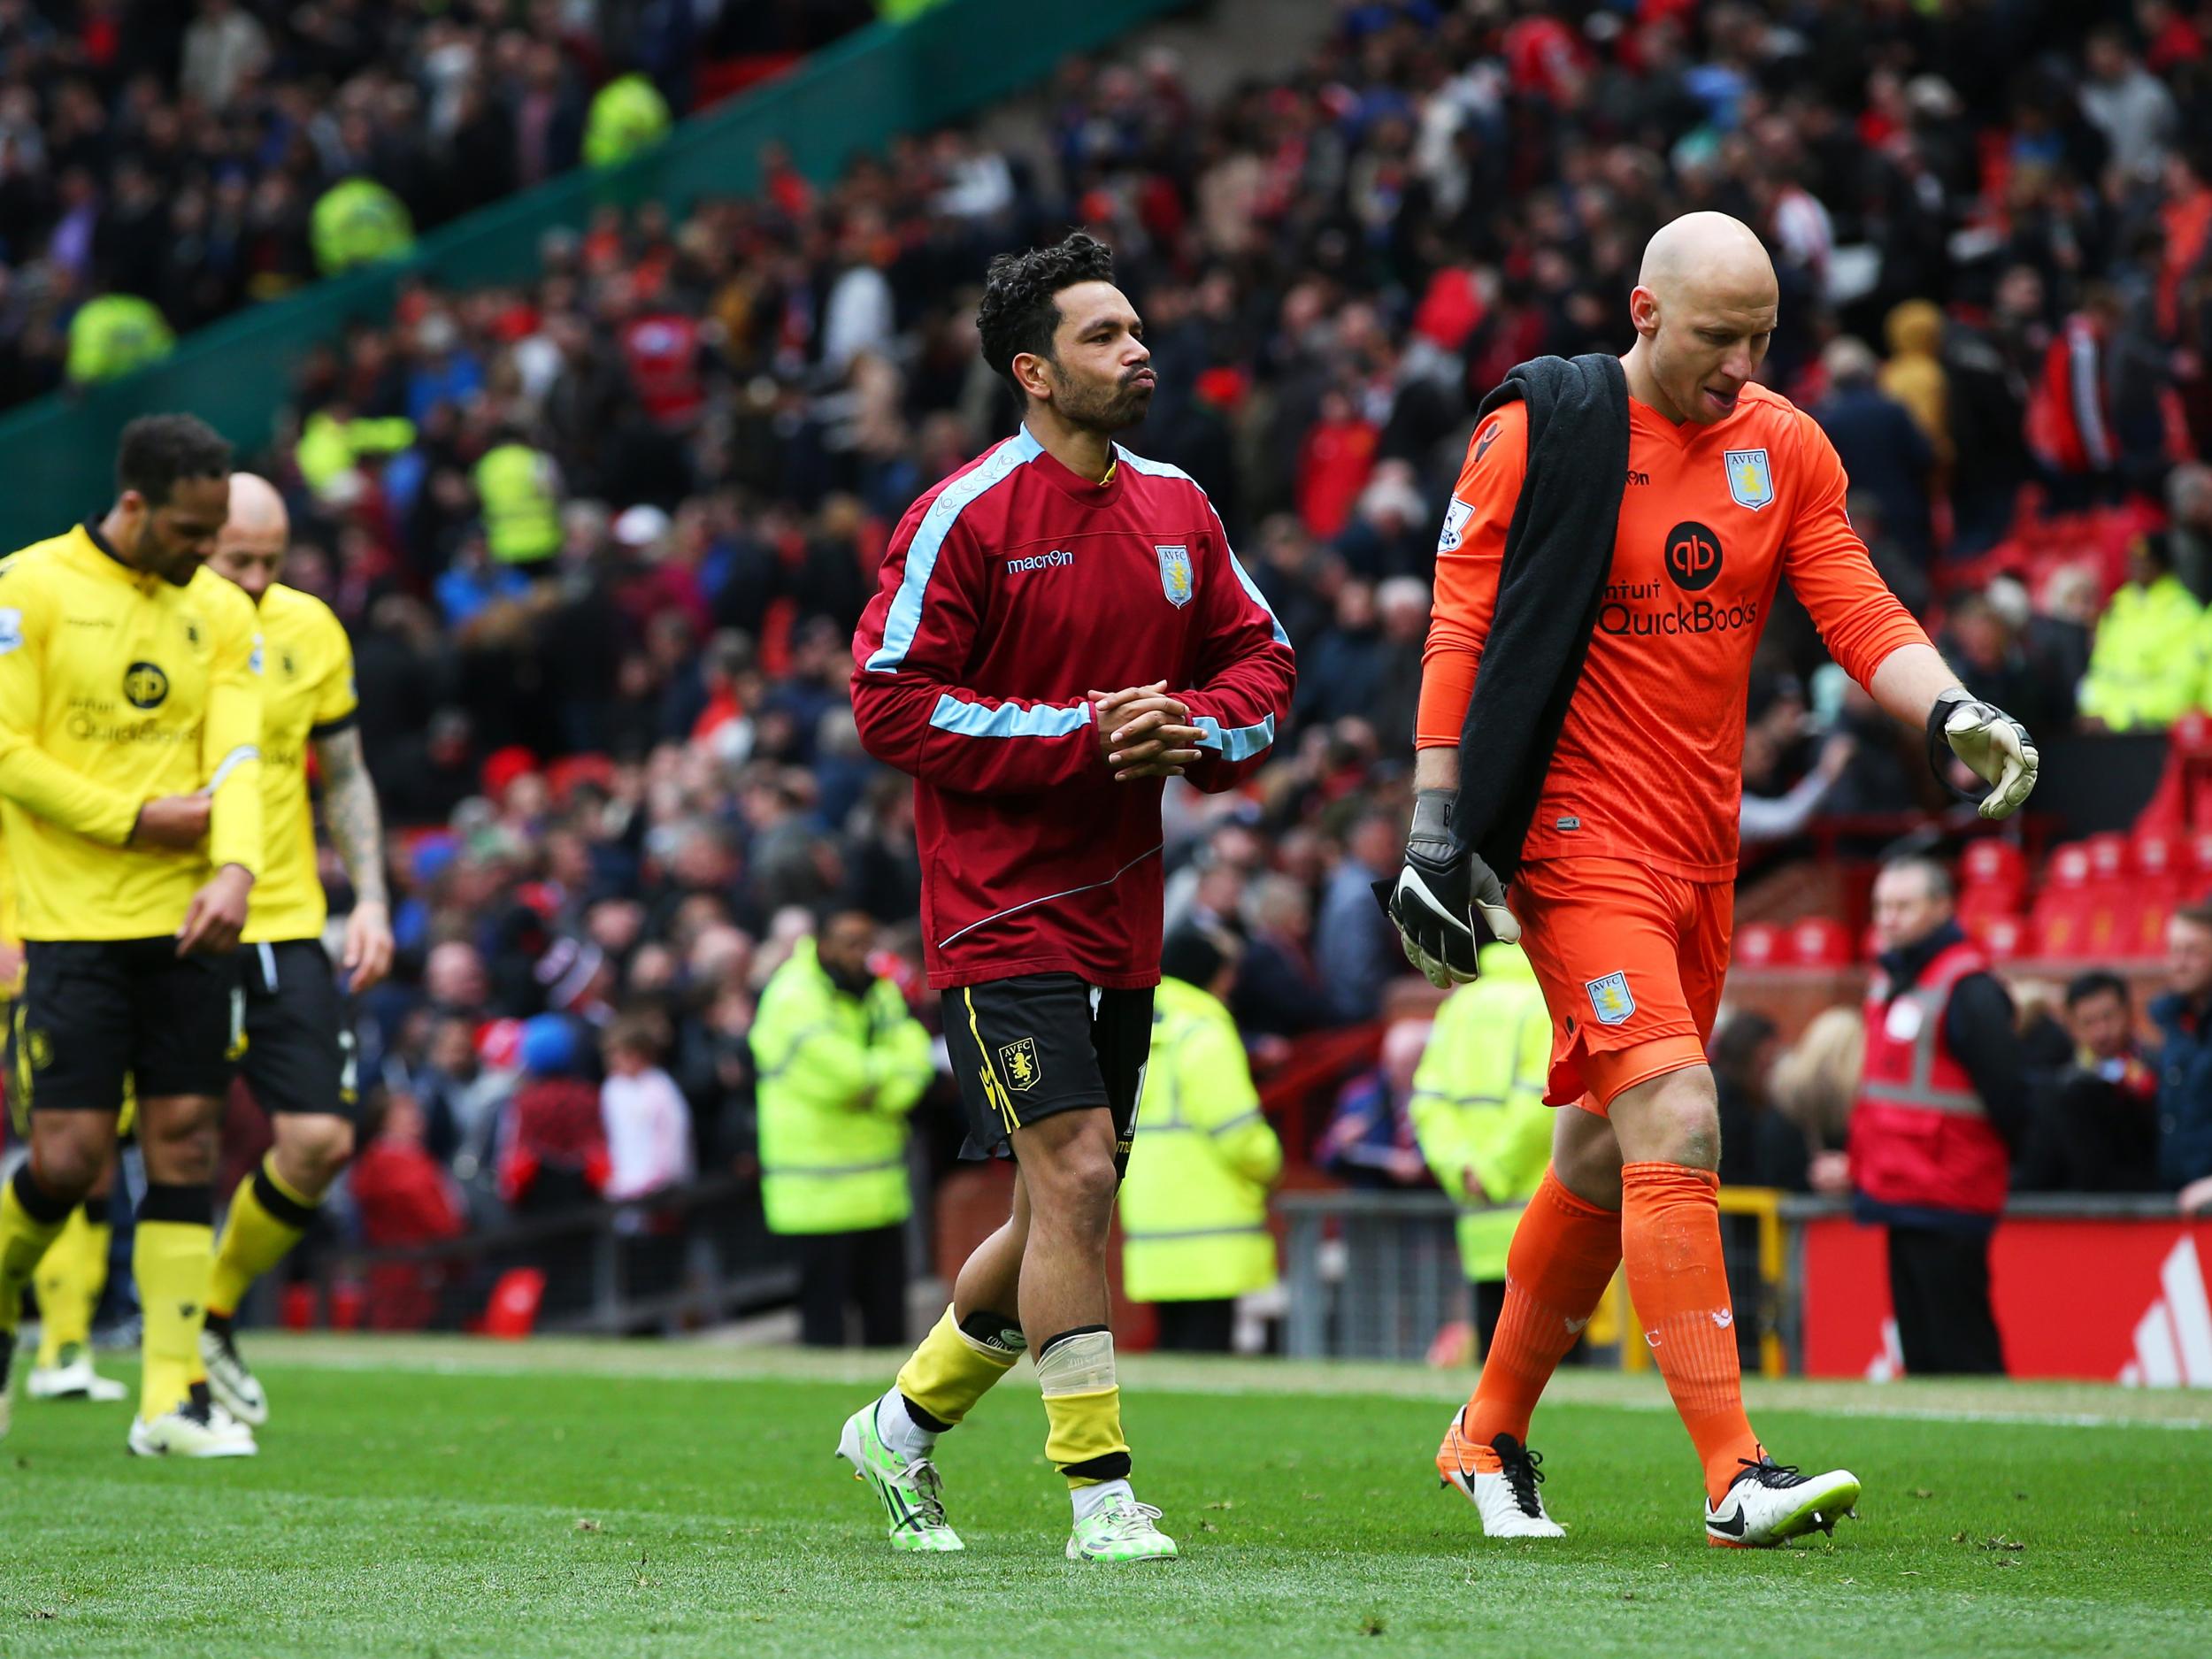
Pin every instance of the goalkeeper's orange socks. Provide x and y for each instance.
(1678, 1282)
(1562, 1257)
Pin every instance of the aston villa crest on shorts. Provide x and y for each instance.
(1017, 1062)
(1611, 999)
(1175, 577)
(1750, 479)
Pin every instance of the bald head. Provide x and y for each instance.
(250, 549)
(1704, 308)
(1703, 254)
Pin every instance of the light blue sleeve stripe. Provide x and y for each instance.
(972, 719)
(1235, 742)
(921, 554)
(1162, 469)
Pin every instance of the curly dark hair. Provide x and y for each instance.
(159, 452)
(1017, 313)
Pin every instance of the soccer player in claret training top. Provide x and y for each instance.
(1596, 764)
(130, 789)
(1061, 627)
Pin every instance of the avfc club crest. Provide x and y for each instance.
(1611, 999)
(1750, 479)
(1175, 577)
(1018, 1064)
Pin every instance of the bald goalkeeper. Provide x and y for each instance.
(1578, 770)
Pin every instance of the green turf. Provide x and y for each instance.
(419, 1498)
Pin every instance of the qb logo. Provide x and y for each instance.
(145, 684)
(1692, 556)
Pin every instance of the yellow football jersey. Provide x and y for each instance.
(306, 693)
(116, 687)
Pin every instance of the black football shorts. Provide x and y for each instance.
(1026, 1048)
(96, 1014)
(299, 1044)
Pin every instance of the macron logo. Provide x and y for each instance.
(1051, 561)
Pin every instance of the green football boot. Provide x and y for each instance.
(912, 1493)
(1123, 1531)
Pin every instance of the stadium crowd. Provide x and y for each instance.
(163, 163)
(601, 539)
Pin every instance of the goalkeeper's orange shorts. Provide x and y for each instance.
(1631, 961)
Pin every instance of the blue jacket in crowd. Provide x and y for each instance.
(2184, 1093)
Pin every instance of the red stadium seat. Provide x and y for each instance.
(1993, 863)
(2060, 918)
(1820, 941)
(1992, 880)
(2005, 938)
(512, 1312)
(1758, 945)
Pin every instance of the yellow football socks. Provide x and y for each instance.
(170, 1259)
(30, 1220)
(266, 1218)
(1083, 1438)
(955, 1364)
(71, 1278)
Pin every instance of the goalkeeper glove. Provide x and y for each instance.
(1995, 746)
(1440, 894)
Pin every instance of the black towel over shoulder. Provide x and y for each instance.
(1558, 551)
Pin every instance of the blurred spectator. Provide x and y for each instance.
(2183, 1018)
(1194, 1203)
(1815, 1084)
(1777, 818)
(1759, 1147)
(1942, 1102)
(1914, 375)
(647, 1123)
(402, 1197)
(842, 1063)
(1881, 446)
(1278, 990)
(2189, 533)
(1353, 936)
(554, 1150)
(1370, 1139)
(1477, 1107)
(2146, 667)
(1984, 642)
(2128, 105)
(2096, 1128)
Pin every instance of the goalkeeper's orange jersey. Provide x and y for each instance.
(1649, 765)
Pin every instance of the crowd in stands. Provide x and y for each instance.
(164, 162)
(602, 538)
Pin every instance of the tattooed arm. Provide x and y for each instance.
(357, 830)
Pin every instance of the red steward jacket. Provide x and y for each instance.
(1921, 1138)
(1010, 590)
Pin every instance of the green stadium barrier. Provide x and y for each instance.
(856, 96)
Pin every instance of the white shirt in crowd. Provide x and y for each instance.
(649, 1133)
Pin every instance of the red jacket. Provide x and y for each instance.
(1921, 1138)
(1009, 591)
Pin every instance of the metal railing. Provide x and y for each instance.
(681, 1260)
(1376, 1275)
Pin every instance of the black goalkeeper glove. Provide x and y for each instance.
(1439, 895)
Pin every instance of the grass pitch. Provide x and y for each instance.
(421, 1497)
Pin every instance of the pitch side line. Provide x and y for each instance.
(705, 1361)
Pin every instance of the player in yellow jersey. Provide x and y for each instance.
(130, 798)
(299, 1049)
(75, 1270)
